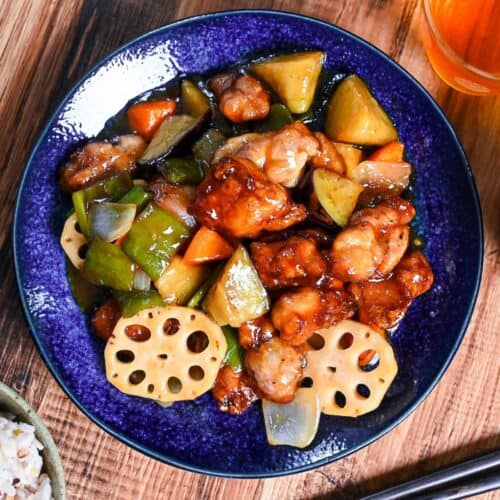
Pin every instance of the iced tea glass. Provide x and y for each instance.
(462, 41)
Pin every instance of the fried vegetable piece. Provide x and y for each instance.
(104, 320)
(293, 424)
(374, 242)
(165, 354)
(299, 313)
(328, 157)
(99, 160)
(232, 391)
(154, 238)
(295, 261)
(282, 154)
(353, 115)
(241, 97)
(174, 199)
(384, 303)
(234, 353)
(237, 295)
(254, 332)
(277, 368)
(380, 179)
(207, 246)
(336, 194)
(133, 302)
(180, 280)
(110, 189)
(238, 200)
(294, 77)
(107, 265)
(392, 152)
(351, 155)
(343, 387)
(146, 117)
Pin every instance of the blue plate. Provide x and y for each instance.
(195, 435)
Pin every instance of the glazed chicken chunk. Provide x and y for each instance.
(99, 160)
(241, 97)
(327, 156)
(232, 391)
(295, 261)
(374, 242)
(254, 332)
(384, 303)
(299, 313)
(277, 368)
(238, 200)
(283, 155)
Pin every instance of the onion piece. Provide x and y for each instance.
(392, 176)
(295, 423)
(110, 221)
(142, 280)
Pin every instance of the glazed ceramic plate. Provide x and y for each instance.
(195, 435)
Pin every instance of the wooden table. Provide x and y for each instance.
(45, 47)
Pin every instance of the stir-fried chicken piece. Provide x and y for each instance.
(298, 314)
(384, 303)
(254, 332)
(295, 261)
(238, 200)
(241, 97)
(99, 160)
(277, 368)
(289, 150)
(327, 156)
(173, 198)
(232, 391)
(253, 147)
(282, 155)
(374, 242)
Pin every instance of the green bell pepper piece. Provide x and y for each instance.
(132, 302)
(86, 294)
(181, 171)
(138, 196)
(107, 265)
(278, 117)
(199, 295)
(204, 148)
(154, 238)
(234, 353)
(110, 189)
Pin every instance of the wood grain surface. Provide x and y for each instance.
(45, 47)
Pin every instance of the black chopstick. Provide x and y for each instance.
(459, 475)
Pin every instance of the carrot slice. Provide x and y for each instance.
(390, 152)
(206, 246)
(146, 117)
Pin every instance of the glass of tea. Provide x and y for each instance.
(462, 41)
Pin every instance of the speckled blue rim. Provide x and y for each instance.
(301, 468)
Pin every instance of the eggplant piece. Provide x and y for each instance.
(174, 131)
(336, 194)
(238, 294)
(194, 102)
(178, 131)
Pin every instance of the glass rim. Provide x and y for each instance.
(449, 51)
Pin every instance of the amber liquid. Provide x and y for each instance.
(463, 45)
